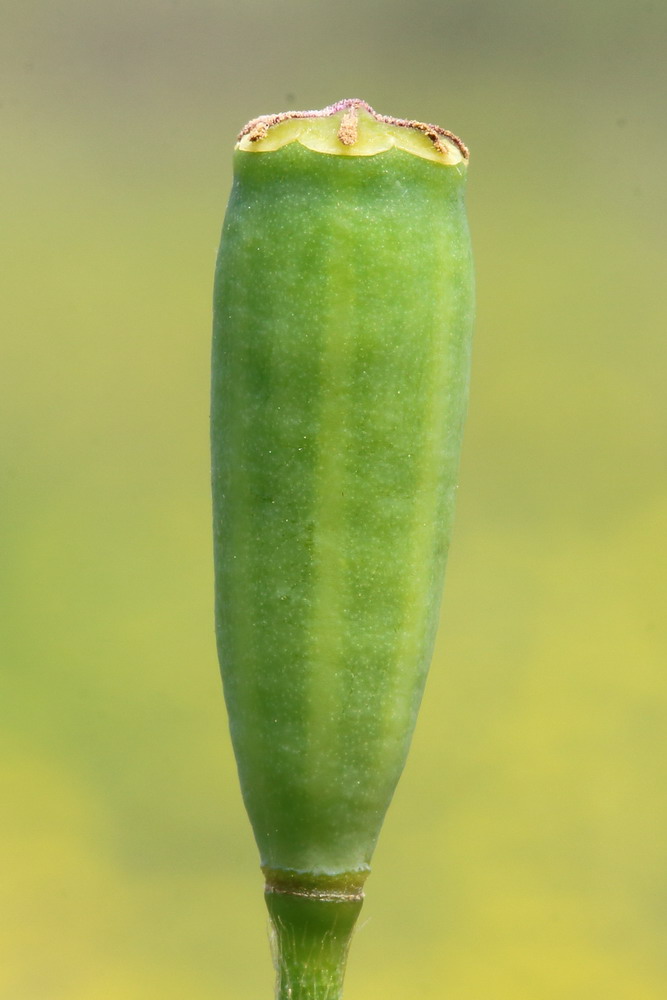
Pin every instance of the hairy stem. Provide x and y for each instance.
(310, 941)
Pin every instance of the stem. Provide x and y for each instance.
(310, 940)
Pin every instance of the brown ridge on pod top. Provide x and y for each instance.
(258, 128)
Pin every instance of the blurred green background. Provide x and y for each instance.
(525, 855)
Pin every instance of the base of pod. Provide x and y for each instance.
(310, 938)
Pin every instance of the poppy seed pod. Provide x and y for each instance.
(342, 322)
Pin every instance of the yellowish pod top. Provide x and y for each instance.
(351, 128)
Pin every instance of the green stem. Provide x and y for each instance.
(310, 939)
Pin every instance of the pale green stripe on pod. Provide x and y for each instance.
(343, 313)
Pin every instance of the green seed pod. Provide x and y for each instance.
(342, 322)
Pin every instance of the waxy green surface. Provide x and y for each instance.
(343, 308)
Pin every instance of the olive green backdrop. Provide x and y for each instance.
(525, 855)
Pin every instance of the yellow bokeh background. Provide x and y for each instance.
(525, 854)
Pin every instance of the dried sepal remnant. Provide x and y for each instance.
(346, 886)
(380, 132)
